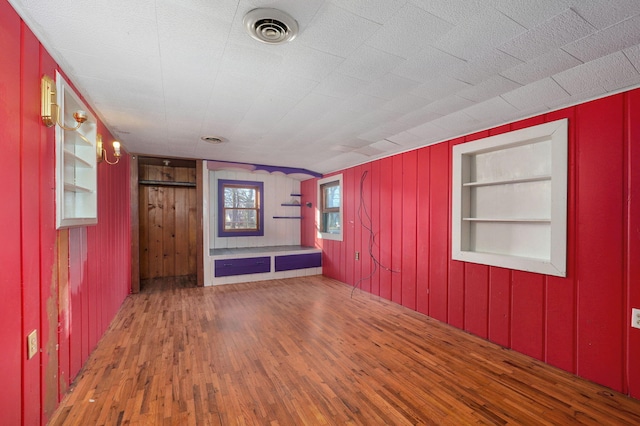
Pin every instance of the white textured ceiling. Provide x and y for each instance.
(363, 79)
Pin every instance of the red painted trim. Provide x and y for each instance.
(366, 262)
(396, 229)
(423, 231)
(527, 322)
(48, 261)
(476, 299)
(499, 306)
(456, 285)
(349, 225)
(633, 241)
(11, 305)
(561, 293)
(386, 221)
(409, 228)
(375, 224)
(439, 226)
(30, 185)
(599, 130)
(527, 122)
(357, 228)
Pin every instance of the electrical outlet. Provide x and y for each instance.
(635, 318)
(32, 344)
(357, 255)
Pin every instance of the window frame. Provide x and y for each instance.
(321, 210)
(259, 186)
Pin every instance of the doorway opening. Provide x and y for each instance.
(169, 220)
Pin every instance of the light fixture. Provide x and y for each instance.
(50, 114)
(50, 110)
(102, 153)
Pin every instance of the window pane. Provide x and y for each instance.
(332, 196)
(239, 197)
(331, 222)
(240, 219)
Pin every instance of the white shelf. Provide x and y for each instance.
(71, 158)
(509, 181)
(70, 187)
(506, 220)
(77, 138)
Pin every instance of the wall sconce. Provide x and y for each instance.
(49, 107)
(50, 113)
(102, 153)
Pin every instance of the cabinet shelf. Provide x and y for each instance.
(506, 220)
(70, 157)
(70, 187)
(508, 181)
(80, 140)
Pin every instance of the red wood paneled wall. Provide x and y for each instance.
(67, 285)
(580, 323)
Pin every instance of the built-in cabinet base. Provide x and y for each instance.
(230, 266)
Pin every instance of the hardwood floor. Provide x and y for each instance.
(304, 352)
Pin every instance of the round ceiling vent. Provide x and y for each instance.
(271, 26)
(213, 139)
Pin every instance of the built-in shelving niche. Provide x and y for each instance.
(76, 166)
(510, 198)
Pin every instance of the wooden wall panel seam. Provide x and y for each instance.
(625, 239)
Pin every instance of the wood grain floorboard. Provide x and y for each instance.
(305, 351)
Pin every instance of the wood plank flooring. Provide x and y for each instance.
(304, 352)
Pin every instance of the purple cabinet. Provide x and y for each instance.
(243, 266)
(298, 261)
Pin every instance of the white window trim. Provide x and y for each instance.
(556, 263)
(326, 235)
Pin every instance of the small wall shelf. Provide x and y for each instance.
(166, 183)
(69, 187)
(508, 181)
(292, 203)
(506, 220)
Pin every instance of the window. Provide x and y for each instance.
(330, 207)
(240, 211)
(510, 200)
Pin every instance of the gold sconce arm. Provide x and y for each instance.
(50, 110)
(102, 153)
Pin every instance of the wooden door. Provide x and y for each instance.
(168, 225)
